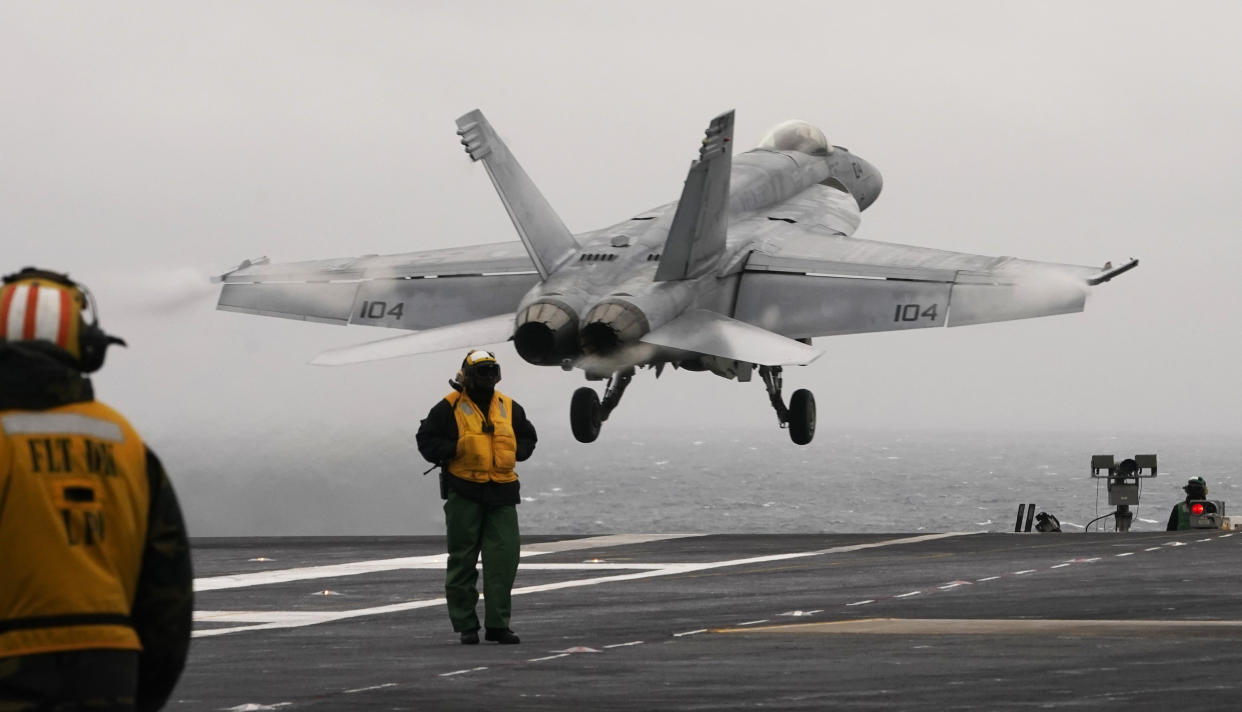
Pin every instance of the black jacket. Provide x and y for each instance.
(37, 377)
(437, 443)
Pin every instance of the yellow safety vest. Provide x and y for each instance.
(483, 456)
(74, 499)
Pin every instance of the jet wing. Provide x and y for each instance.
(414, 290)
(706, 332)
(804, 285)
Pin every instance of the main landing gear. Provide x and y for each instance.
(799, 417)
(587, 413)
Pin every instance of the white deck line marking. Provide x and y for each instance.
(1024, 572)
(295, 619)
(1208, 539)
(1128, 553)
(1152, 548)
(624, 645)
(690, 632)
(1224, 536)
(989, 578)
(259, 578)
(430, 561)
(948, 586)
(762, 620)
(591, 542)
(907, 595)
(861, 603)
(549, 657)
(1058, 566)
(368, 689)
(461, 672)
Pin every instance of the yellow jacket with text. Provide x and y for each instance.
(72, 527)
(93, 549)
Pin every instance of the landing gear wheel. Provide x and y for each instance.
(802, 416)
(584, 415)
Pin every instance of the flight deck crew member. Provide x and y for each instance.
(476, 434)
(95, 581)
(1179, 518)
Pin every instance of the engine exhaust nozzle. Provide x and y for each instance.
(546, 333)
(611, 325)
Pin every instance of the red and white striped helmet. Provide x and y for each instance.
(35, 306)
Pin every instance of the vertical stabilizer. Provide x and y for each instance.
(546, 238)
(696, 238)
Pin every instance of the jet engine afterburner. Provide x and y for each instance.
(610, 324)
(547, 333)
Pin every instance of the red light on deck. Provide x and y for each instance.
(1196, 508)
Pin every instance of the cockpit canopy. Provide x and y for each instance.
(795, 135)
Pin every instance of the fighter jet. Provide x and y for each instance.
(755, 258)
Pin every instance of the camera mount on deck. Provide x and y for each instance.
(1123, 482)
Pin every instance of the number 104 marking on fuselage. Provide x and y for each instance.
(914, 312)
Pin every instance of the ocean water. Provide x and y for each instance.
(713, 481)
(692, 479)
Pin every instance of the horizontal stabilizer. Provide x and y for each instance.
(715, 334)
(546, 238)
(480, 332)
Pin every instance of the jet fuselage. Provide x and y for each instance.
(599, 302)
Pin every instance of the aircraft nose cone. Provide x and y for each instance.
(610, 325)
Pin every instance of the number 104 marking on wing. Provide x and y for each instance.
(914, 312)
(378, 310)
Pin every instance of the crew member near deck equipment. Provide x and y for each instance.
(476, 434)
(95, 580)
(1179, 518)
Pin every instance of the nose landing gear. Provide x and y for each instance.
(587, 413)
(799, 416)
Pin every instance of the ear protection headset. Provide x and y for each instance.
(56, 320)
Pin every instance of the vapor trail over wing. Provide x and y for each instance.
(479, 332)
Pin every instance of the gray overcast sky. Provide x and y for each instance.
(144, 146)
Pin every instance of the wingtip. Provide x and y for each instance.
(1109, 272)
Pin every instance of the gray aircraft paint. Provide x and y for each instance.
(755, 258)
(789, 264)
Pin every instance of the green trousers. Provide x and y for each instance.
(475, 528)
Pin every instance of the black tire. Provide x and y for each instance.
(802, 417)
(584, 416)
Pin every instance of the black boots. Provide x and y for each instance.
(504, 636)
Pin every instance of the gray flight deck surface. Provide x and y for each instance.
(708, 622)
